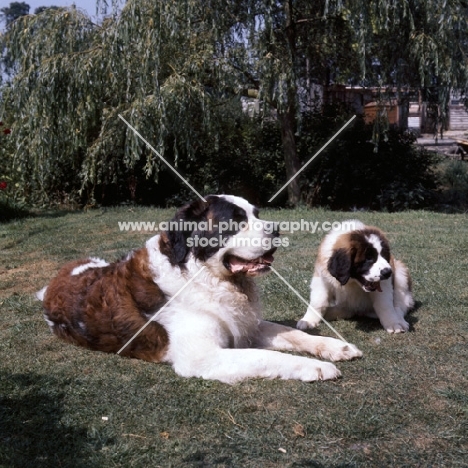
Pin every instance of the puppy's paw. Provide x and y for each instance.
(311, 319)
(400, 326)
(338, 350)
(307, 323)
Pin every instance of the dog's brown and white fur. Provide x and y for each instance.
(355, 274)
(207, 326)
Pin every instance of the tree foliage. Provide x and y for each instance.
(174, 70)
(418, 45)
(74, 78)
(167, 67)
(13, 12)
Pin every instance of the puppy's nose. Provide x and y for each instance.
(385, 273)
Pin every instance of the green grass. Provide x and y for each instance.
(405, 404)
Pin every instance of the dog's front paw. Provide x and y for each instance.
(338, 350)
(317, 370)
(400, 326)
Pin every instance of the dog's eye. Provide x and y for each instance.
(386, 253)
(370, 254)
(239, 215)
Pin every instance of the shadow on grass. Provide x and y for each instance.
(204, 459)
(313, 464)
(364, 324)
(10, 212)
(293, 323)
(368, 325)
(54, 214)
(32, 432)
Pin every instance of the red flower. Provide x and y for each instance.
(3, 185)
(7, 131)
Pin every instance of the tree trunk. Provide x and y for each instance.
(287, 116)
(287, 120)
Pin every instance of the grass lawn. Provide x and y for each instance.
(405, 404)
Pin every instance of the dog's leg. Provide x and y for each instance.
(339, 313)
(201, 348)
(233, 365)
(280, 337)
(403, 298)
(318, 304)
(391, 318)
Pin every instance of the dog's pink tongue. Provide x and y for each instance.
(238, 265)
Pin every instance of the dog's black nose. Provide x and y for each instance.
(385, 273)
(272, 229)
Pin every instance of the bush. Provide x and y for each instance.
(455, 180)
(247, 160)
(244, 157)
(356, 172)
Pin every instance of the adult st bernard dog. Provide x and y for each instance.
(197, 298)
(355, 274)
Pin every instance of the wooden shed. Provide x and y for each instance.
(397, 114)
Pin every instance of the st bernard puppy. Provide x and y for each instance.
(193, 290)
(355, 275)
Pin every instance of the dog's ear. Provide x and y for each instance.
(178, 249)
(193, 211)
(175, 239)
(340, 264)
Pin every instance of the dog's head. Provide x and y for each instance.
(363, 256)
(223, 232)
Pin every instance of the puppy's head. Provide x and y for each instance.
(362, 256)
(223, 232)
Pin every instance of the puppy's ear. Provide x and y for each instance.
(175, 244)
(340, 264)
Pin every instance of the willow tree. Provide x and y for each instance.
(158, 64)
